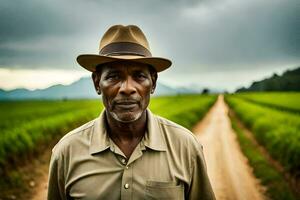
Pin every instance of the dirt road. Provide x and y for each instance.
(230, 175)
(229, 172)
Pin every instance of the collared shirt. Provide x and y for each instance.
(168, 163)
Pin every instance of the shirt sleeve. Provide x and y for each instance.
(56, 186)
(200, 187)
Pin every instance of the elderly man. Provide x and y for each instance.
(127, 152)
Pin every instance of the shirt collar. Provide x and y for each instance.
(153, 139)
(99, 138)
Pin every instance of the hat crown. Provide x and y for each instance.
(123, 43)
(121, 34)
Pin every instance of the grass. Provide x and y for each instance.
(185, 110)
(277, 131)
(15, 113)
(40, 123)
(285, 101)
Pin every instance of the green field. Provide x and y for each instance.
(274, 119)
(286, 101)
(25, 125)
(277, 130)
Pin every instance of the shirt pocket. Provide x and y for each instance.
(163, 190)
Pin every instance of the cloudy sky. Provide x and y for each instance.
(221, 44)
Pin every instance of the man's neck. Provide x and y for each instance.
(126, 135)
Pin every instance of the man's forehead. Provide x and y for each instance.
(125, 65)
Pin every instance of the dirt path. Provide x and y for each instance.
(41, 189)
(229, 172)
(39, 192)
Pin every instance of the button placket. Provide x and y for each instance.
(127, 178)
(126, 190)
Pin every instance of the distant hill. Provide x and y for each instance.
(288, 81)
(81, 89)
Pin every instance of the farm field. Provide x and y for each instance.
(275, 124)
(278, 131)
(28, 124)
(285, 101)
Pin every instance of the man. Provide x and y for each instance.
(128, 152)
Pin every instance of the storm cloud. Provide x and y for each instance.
(200, 37)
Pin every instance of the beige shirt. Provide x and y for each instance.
(168, 163)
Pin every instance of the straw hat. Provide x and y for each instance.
(123, 43)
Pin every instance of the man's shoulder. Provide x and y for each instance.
(75, 135)
(168, 123)
(177, 132)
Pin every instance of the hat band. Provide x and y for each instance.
(124, 48)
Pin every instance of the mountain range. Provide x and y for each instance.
(81, 89)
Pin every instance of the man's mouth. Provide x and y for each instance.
(128, 104)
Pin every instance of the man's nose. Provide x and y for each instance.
(127, 86)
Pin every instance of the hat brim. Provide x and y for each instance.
(91, 61)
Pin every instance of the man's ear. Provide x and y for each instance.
(154, 79)
(96, 79)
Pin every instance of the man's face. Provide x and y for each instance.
(125, 89)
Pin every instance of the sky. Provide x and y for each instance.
(220, 44)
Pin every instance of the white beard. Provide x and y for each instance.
(132, 119)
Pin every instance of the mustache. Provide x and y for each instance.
(126, 101)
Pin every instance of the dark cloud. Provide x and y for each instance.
(237, 34)
(197, 35)
(32, 19)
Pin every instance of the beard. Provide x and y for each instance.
(127, 116)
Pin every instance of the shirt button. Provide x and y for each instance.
(126, 186)
(123, 161)
(127, 167)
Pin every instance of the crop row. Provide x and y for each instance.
(277, 131)
(23, 139)
(286, 101)
(16, 113)
(185, 110)
(276, 186)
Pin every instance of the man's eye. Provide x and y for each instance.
(112, 77)
(141, 76)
